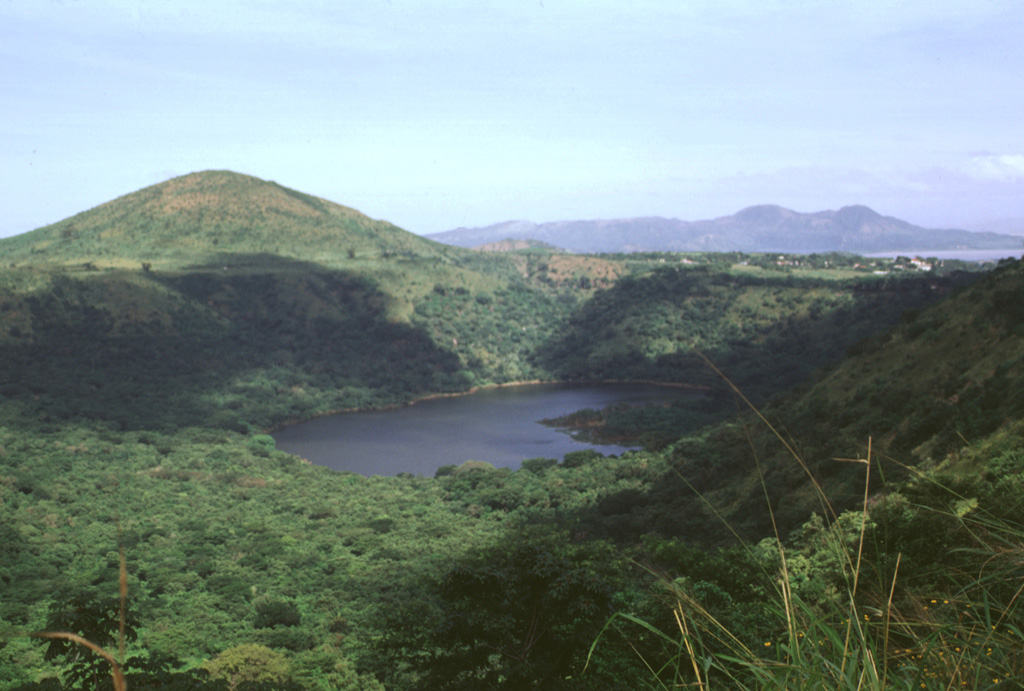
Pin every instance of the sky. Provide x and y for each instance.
(447, 113)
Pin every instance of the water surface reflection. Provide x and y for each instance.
(498, 425)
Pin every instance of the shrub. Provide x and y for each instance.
(276, 613)
(249, 663)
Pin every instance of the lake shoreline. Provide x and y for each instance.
(499, 425)
(476, 389)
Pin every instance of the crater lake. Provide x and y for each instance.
(499, 425)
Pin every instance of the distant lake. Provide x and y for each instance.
(963, 255)
(497, 425)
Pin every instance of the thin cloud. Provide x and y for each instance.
(1002, 167)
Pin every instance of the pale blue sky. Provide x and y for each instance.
(434, 115)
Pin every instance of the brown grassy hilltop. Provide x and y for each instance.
(192, 218)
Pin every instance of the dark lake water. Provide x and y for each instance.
(500, 426)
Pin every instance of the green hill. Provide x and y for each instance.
(195, 218)
(924, 393)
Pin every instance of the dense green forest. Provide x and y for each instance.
(842, 507)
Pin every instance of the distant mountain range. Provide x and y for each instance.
(1012, 226)
(764, 228)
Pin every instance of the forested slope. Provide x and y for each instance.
(149, 350)
(941, 382)
(768, 332)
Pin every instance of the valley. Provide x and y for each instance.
(858, 441)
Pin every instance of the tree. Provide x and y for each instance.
(271, 613)
(520, 615)
(81, 624)
(250, 663)
(95, 620)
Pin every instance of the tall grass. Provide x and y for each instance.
(886, 636)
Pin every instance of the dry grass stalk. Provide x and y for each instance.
(116, 673)
(115, 668)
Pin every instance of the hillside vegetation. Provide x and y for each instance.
(193, 219)
(148, 345)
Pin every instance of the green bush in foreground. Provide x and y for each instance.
(845, 612)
